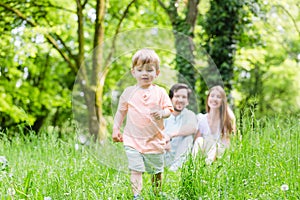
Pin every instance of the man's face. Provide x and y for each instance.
(180, 99)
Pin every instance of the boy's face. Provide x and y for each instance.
(145, 74)
(180, 99)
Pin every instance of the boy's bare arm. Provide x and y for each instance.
(118, 121)
(166, 113)
(159, 114)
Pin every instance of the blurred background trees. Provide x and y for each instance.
(55, 68)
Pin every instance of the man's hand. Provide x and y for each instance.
(168, 142)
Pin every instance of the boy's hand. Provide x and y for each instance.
(168, 142)
(157, 114)
(117, 136)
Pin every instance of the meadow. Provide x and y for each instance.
(262, 163)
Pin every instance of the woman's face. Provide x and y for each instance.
(214, 99)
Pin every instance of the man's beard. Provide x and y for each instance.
(177, 110)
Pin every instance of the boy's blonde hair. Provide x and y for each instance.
(145, 56)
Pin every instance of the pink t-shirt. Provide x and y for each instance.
(141, 131)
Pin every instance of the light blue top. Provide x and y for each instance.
(180, 145)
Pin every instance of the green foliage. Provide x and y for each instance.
(57, 170)
(31, 85)
(255, 44)
(34, 80)
(224, 25)
(261, 160)
(268, 69)
(258, 163)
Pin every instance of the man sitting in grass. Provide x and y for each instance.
(180, 127)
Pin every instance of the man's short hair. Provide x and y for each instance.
(177, 87)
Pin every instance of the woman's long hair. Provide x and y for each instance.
(226, 122)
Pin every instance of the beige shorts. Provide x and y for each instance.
(151, 163)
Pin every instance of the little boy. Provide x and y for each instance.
(145, 105)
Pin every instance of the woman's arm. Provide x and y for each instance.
(232, 119)
(198, 134)
(188, 127)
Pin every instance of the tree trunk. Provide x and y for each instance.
(223, 33)
(100, 63)
(98, 78)
(90, 83)
(184, 33)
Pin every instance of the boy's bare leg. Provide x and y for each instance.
(156, 183)
(136, 182)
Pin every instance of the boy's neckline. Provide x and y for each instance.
(147, 88)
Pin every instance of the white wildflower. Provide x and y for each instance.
(3, 163)
(208, 161)
(245, 181)
(76, 147)
(47, 198)
(83, 139)
(284, 187)
(257, 164)
(11, 191)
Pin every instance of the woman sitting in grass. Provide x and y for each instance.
(214, 127)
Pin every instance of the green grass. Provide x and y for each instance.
(257, 165)
(259, 162)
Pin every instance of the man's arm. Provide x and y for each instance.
(188, 127)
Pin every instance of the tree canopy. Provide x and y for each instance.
(65, 60)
